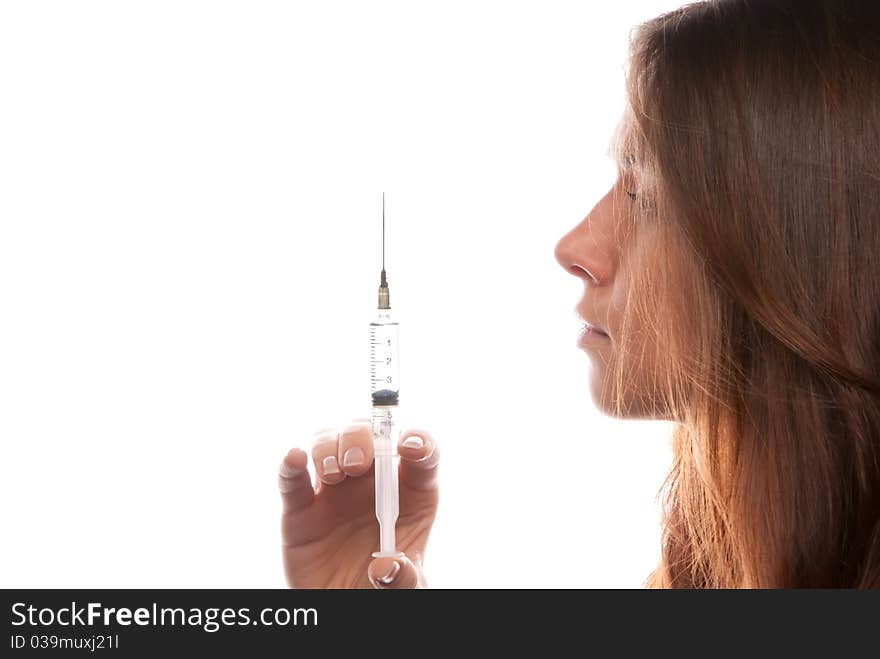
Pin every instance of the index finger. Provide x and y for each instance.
(294, 481)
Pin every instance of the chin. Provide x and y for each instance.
(632, 406)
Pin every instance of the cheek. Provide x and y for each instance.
(636, 358)
(618, 299)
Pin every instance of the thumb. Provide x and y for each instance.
(393, 573)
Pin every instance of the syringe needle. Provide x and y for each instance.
(384, 298)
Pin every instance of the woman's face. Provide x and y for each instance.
(605, 255)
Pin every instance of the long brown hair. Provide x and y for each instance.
(753, 139)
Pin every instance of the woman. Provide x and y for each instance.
(732, 285)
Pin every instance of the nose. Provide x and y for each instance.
(580, 254)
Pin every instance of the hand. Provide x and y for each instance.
(330, 531)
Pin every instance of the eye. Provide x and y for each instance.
(625, 175)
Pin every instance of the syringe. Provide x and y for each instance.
(384, 378)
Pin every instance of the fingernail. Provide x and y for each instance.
(391, 575)
(331, 466)
(413, 442)
(353, 457)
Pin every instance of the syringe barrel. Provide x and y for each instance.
(385, 436)
(384, 359)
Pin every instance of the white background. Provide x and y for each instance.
(189, 254)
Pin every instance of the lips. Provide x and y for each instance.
(590, 336)
(593, 329)
(590, 326)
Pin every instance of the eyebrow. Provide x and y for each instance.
(613, 155)
(622, 160)
(612, 149)
(616, 153)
